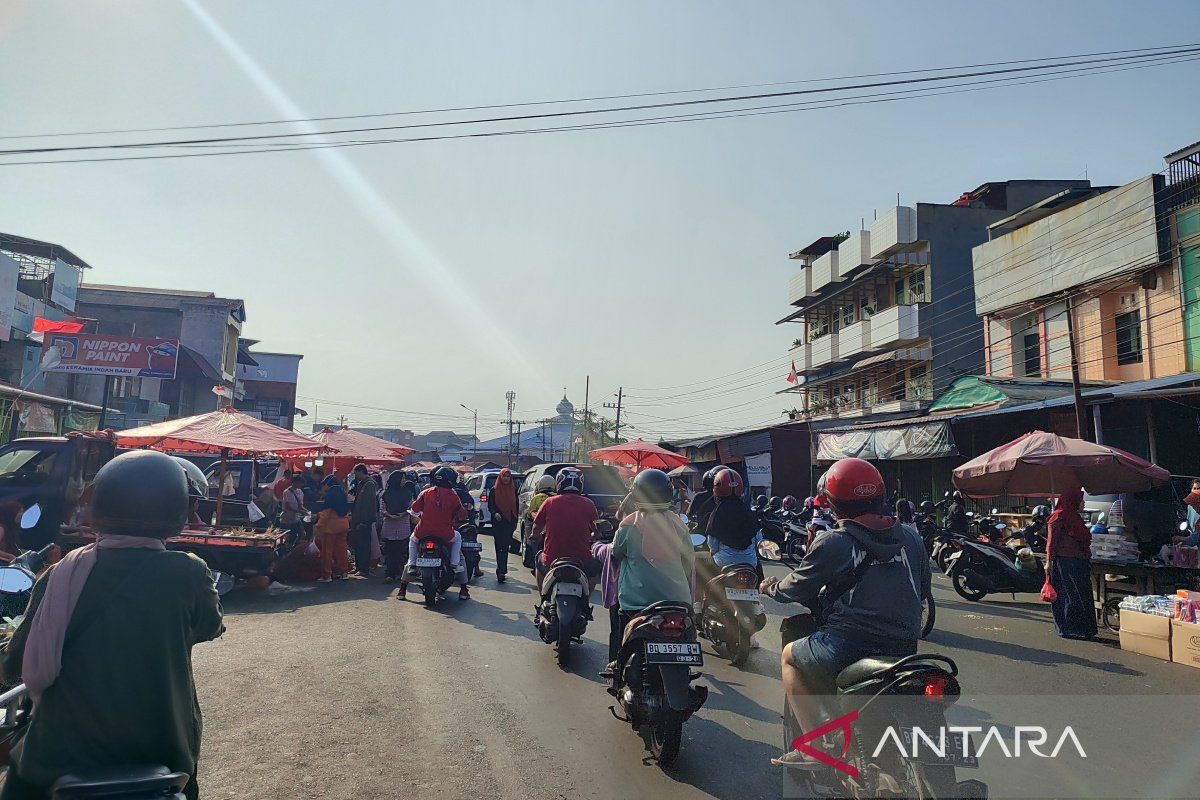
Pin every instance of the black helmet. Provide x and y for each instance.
(710, 476)
(444, 476)
(776, 503)
(926, 507)
(760, 501)
(141, 493)
(197, 483)
(651, 490)
(411, 475)
(1041, 513)
(569, 480)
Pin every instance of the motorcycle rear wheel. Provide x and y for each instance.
(928, 612)
(741, 651)
(564, 644)
(664, 739)
(965, 590)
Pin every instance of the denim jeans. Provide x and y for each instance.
(821, 656)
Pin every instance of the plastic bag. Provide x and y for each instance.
(312, 549)
(254, 512)
(1048, 592)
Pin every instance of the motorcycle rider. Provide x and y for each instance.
(731, 528)
(543, 490)
(702, 503)
(440, 509)
(105, 645)
(866, 579)
(956, 514)
(564, 523)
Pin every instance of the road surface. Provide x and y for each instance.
(341, 691)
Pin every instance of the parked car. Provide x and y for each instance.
(480, 484)
(246, 477)
(602, 484)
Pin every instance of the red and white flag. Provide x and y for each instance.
(793, 377)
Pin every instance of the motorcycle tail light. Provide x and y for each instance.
(483, 497)
(935, 686)
(673, 626)
(430, 545)
(746, 579)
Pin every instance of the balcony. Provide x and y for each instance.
(895, 326)
(854, 339)
(823, 351)
(855, 252)
(801, 355)
(896, 228)
(798, 286)
(825, 271)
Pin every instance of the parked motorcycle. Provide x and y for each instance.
(731, 611)
(978, 569)
(562, 613)
(472, 548)
(652, 680)
(433, 568)
(1032, 535)
(17, 579)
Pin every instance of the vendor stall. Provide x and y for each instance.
(355, 447)
(1112, 581)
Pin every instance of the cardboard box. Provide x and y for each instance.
(1185, 642)
(1148, 634)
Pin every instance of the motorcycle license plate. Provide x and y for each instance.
(930, 755)
(573, 589)
(674, 653)
(428, 562)
(749, 595)
(472, 545)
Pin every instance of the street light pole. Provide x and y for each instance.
(474, 430)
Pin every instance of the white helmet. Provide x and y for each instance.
(545, 484)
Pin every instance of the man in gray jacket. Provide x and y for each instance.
(363, 515)
(865, 580)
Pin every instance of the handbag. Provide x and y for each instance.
(514, 546)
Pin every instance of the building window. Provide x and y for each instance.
(1031, 348)
(899, 289)
(847, 315)
(918, 383)
(916, 287)
(1129, 338)
(231, 347)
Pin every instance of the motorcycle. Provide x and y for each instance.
(652, 680)
(434, 572)
(472, 548)
(978, 569)
(731, 611)
(17, 579)
(562, 614)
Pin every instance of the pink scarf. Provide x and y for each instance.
(42, 660)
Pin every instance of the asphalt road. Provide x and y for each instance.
(341, 691)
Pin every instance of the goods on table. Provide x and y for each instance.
(1156, 604)
(1183, 556)
(1186, 606)
(1114, 547)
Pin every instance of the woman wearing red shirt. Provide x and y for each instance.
(439, 509)
(1068, 568)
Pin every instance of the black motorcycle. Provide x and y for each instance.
(653, 677)
(17, 579)
(472, 548)
(434, 572)
(979, 568)
(731, 610)
(563, 611)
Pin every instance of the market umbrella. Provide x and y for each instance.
(1041, 463)
(361, 447)
(640, 455)
(684, 471)
(226, 432)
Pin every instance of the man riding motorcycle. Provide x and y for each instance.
(440, 509)
(702, 503)
(865, 579)
(956, 514)
(565, 523)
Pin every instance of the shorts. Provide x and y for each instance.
(821, 656)
(591, 567)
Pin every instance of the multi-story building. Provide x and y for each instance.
(267, 388)
(887, 314)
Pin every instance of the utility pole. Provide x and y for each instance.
(341, 420)
(587, 388)
(511, 397)
(474, 429)
(518, 423)
(617, 406)
(1080, 428)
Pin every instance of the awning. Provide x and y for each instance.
(1131, 390)
(200, 363)
(900, 354)
(915, 440)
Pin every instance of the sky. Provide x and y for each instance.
(415, 277)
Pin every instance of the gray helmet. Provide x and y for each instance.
(651, 490)
(141, 493)
(197, 483)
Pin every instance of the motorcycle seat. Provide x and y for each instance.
(115, 782)
(866, 668)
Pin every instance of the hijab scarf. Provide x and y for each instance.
(505, 492)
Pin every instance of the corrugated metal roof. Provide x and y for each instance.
(1094, 395)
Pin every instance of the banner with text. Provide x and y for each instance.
(101, 354)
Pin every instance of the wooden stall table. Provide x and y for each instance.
(1137, 579)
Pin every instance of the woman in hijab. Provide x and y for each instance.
(395, 524)
(1068, 570)
(332, 528)
(502, 503)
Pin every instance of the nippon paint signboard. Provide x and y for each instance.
(101, 354)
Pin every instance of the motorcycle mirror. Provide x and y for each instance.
(947, 494)
(768, 551)
(31, 517)
(698, 540)
(14, 580)
(995, 511)
(1183, 526)
(970, 513)
(683, 518)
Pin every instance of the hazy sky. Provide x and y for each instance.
(414, 277)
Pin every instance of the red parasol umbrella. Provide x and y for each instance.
(1041, 463)
(360, 447)
(640, 455)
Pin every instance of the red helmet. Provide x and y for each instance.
(853, 487)
(727, 483)
(789, 503)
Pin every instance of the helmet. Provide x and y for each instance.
(197, 483)
(651, 490)
(727, 483)
(809, 502)
(711, 476)
(760, 501)
(141, 493)
(957, 496)
(853, 487)
(545, 484)
(776, 503)
(926, 507)
(411, 475)
(1041, 513)
(569, 480)
(789, 503)
(443, 476)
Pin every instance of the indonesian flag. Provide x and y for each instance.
(223, 391)
(43, 325)
(793, 376)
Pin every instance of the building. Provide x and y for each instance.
(267, 388)
(886, 314)
(550, 439)
(208, 328)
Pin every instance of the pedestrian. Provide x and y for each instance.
(904, 511)
(291, 515)
(683, 495)
(105, 647)
(502, 504)
(282, 483)
(956, 513)
(395, 524)
(1068, 568)
(332, 528)
(362, 518)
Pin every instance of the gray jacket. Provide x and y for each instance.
(885, 606)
